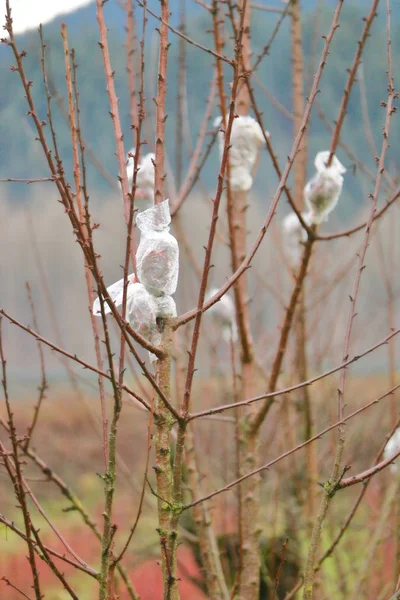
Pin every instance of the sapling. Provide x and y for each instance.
(322, 192)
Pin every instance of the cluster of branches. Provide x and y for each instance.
(170, 408)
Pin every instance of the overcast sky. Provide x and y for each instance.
(28, 14)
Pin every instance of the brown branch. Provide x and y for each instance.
(21, 534)
(114, 112)
(348, 232)
(195, 166)
(292, 388)
(267, 47)
(131, 42)
(161, 116)
(8, 582)
(142, 494)
(337, 473)
(53, 567)
(259, 417)
(164, 20)
(71, 356)
(17, 479)
(185, 318)
(43, 384)
(78, 506)
(350, 516)
(350, 81)
(271, 463)
(28, 181)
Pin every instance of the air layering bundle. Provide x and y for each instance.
(157, 260)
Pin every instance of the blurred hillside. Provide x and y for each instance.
(36, 244)
(20, 155)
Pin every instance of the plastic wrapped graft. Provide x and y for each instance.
(391, 448)
(142, 312)
(157, 260)
(115, 291)
(293, 234)
(157, 257)
(245, 141)
(322, 192)
(223, 314)
(142, 309)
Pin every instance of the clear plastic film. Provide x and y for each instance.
(166, 307)
(157, 262)
(142, 312)
(157, 257)
(391, 448)
(293, 234)
(144, 196)
(115, 291)
(223, 314)
(322, 192)
(245, 142)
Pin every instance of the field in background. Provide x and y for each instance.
(68, 439)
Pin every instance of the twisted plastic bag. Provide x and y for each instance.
(157, 260)
(115, 291)
(157, 257)
(142, 311)
(322, 192)
(245, 141)
(293, 233)
(391, 448)
(224, 315)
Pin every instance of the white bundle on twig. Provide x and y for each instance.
(142, 310)
(157, 260)
(144, 196)
(293, 234)
(157, 256)
(224, 315)
(115, 292)
(322, 192)
(391, 448)
(245, 141)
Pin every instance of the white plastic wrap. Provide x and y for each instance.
(157, 257)
(322, 192)
(157, 261)
(245, 141)
(293, 233)
(223, 314)
(166, 307)
(391, 448)
(115, 291)
(142, 312)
